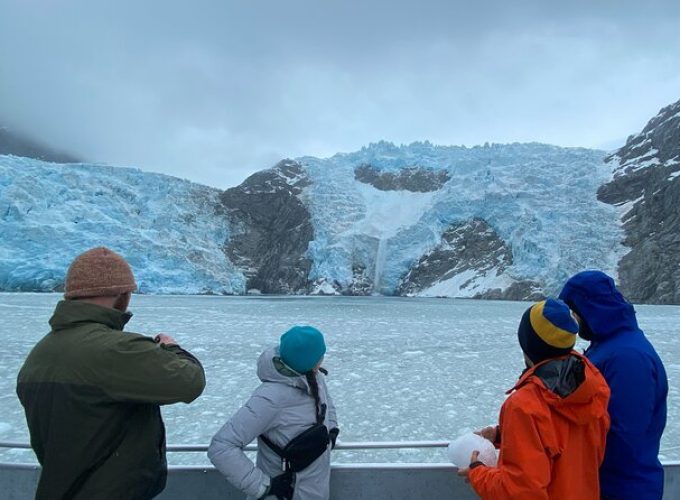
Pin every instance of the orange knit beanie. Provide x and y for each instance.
(99, 272)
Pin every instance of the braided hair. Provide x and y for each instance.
(314, 387)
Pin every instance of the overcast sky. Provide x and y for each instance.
(215, 90)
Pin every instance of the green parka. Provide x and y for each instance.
(91, 394)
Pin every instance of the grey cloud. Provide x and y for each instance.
(215, 90)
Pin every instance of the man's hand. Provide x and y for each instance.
(464, 472)
(490, 433)
(162, 338)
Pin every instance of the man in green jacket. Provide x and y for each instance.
(91, 392)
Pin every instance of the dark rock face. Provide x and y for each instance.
(364, 256)
(17, 145)
(659, 139)
(415, 179)
(467, 246)
(362, 282)
(273, 229)
(647, 176)
(519, 290)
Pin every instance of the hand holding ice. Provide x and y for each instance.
(461, 448)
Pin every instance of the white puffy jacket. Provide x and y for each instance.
(280, 408)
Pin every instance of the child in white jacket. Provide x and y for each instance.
(292, 398)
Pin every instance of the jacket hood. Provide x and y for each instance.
(594, 297)
(270, 368)
(571, 386)
(70, 313)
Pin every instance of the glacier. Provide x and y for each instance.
(169, 229)
(540, 200)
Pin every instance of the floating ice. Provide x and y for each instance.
(460, 450)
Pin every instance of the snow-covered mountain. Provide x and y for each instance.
(493, 221)
(646, 189)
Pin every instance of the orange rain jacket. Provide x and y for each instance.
(551, 445)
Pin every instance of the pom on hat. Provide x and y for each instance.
(547, 330)
(99, 272)
(301, 348)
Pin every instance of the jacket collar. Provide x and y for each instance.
(270, 368)
(570, 386)
(69, 313)
(526, 374)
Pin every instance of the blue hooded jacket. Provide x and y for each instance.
(638, 383)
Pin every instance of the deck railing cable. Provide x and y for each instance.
(366, 445)
(359, 445)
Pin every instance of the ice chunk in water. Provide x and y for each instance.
(461, 448)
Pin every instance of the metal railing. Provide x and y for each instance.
(360, 445)
(357, 445)
(358, 481)
(11, 444)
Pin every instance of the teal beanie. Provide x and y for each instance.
(301, 348)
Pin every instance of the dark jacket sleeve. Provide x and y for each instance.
(631, 406)
(133, 367)
(628, 373)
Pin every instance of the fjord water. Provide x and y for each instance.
(399, 368)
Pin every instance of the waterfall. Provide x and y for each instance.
(379, 265)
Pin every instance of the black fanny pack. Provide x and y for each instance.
(304, 448)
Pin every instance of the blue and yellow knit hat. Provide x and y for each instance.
(301, 348)
(547, 330)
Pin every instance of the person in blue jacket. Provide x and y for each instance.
(638, 383)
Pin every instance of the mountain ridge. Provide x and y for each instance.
(16, 144)
(494, 221)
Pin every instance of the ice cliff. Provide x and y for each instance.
(495, 221)
(169, 229)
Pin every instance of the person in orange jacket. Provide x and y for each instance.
(552, 428)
